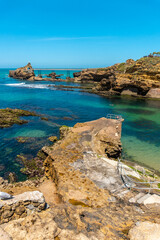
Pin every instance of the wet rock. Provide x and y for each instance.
(32, 167)
(22, 139)
(9, 116)
(12, 177)
(53, 138)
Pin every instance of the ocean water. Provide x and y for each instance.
(140, 132)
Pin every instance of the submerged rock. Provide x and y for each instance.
(53, 138)
(9, 116)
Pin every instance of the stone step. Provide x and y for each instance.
(121, 194)
(135, 198)
(142, 199)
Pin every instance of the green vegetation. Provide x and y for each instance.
(9, 116)
(121, 67)
(32, 167)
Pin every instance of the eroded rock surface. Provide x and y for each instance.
(23, 72)
(20, 204)
(79, 189)
(136, 78)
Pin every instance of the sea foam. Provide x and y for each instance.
(26, 85)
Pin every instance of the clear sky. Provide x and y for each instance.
(77, 33)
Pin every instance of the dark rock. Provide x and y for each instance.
(76, 74)
(9, 116)
(54, 75)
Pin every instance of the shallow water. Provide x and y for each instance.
(141, 127)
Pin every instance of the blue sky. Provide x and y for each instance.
(77, 33)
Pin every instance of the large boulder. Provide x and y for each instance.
(23, 72)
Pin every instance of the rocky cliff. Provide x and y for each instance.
(137, 78)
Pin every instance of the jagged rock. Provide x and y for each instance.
(137, 78)
(54, 75)
(145, 231)
(23, 72)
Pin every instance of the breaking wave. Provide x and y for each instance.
(26, 85)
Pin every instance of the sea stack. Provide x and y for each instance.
(23, 72)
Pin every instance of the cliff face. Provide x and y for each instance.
(138, 78)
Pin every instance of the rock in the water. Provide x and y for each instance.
(54, 75)
(9, 116)
(53, 138)
(145, 231)
(154, 93)
(23, 72)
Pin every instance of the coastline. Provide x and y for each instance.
(81, 193)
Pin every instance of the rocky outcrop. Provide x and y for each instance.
(9, 116)
(54, 76)
(137, 78)
(23, 72)
(85, 196)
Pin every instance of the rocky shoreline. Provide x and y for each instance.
(9, 116)
(81, 196)
(76, 190)
(139, 78)
(27, 73)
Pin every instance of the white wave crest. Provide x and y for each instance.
(26, 85)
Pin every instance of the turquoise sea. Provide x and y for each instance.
(141, 126)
